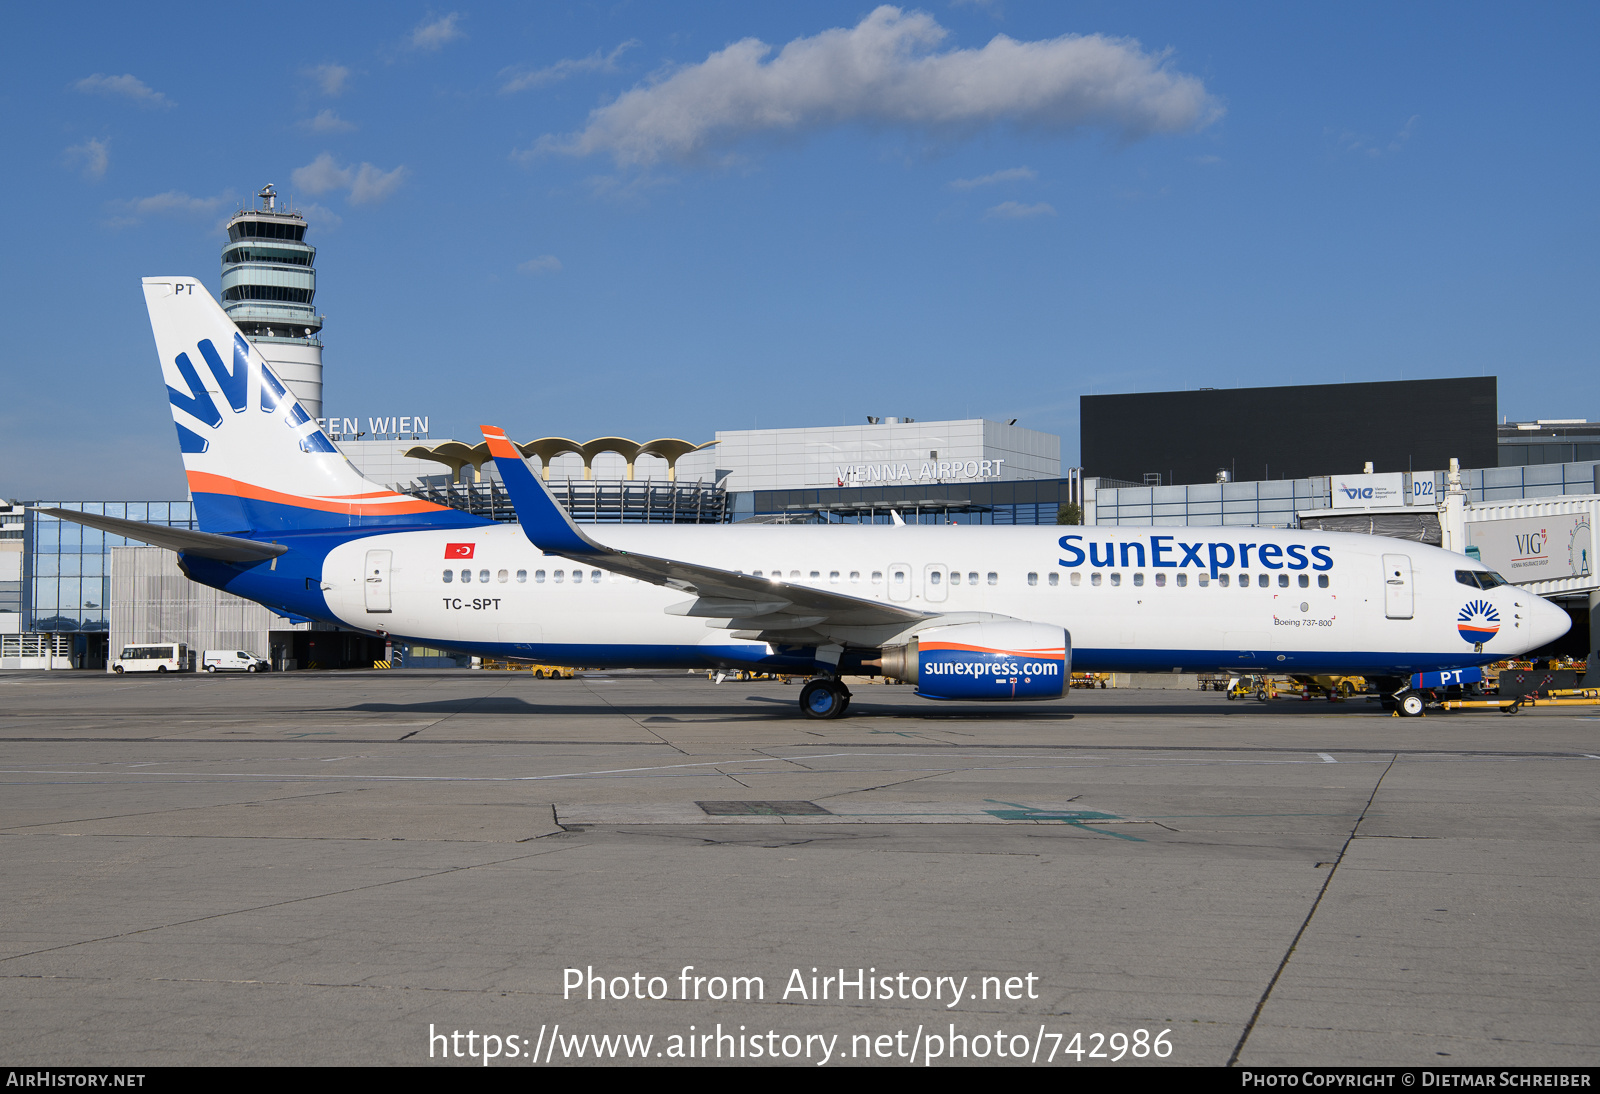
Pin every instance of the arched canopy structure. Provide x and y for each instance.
(456, 455)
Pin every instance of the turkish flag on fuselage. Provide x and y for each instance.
(458, 550)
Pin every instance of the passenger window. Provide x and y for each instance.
(877, 577)
(1305, 581)
(757, 573)
(1094, 578)
(1138, 578)
(1322, 581)
(972, 579)
(557, 576)
(1161, 579)
(503, 576)
(1033, 579)
(833, 577)
(899, 577)
(466, 577)
(934, 578)
(538, 577)
(1283, 581)
(1263, 580)
(483, 576)
(522, 577)
(1203, 580)
(1222, 579)
(1116, 579)
(1183, 581)
(449, 576)
(955, 577)
(815, 574)
(855, 577)
(1055, 578)
(594, 576)
(994, 578)
(794, 575)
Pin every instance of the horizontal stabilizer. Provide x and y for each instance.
(201, 544)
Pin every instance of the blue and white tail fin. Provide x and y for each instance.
(255, 461)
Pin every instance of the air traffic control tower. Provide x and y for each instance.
(268, 284)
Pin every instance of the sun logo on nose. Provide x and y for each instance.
(1478, 621)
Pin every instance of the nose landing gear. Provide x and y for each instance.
(824, 698)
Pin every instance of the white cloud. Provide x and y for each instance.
(327, 121)
(542, 265)
(94, 155)
(331, 78)
(1360, 145)
(367, 184)
(130, 87)
(321, 216)
(372, 185)
(521, 80)
(1010, 174)
(435, 33)
(1016, 210)
(885, 71)
(171, 203)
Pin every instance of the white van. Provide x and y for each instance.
(157, 657)
(233, 661)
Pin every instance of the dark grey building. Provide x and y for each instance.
(1290, 432)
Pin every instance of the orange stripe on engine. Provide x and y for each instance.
(203, 482)
(499, 446)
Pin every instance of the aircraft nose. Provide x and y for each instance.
(1548, 621)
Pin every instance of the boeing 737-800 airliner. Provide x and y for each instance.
(964, 613)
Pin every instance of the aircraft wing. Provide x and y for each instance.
(203, 544)
(758, 607)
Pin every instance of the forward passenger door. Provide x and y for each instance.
(1397, 587)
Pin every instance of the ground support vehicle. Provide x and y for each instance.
(233, 661)
(161, 657)
(540, 672)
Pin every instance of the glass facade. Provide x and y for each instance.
(1021, 501)
(1273, 504)
(68, 579)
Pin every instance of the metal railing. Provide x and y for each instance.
(592, 501)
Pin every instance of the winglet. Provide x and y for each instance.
(544, 522)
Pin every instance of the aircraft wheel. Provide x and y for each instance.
(823, 699)
(1411, 705)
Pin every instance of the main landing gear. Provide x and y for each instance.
(824, 698)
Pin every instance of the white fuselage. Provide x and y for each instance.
(1327, 603)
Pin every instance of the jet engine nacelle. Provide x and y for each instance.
(999, 661)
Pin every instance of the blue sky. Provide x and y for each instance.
(636, 219)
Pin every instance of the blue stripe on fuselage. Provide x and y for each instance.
(230, 515)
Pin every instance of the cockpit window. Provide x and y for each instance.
(1480, 579)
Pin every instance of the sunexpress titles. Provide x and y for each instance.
(1169, 551)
